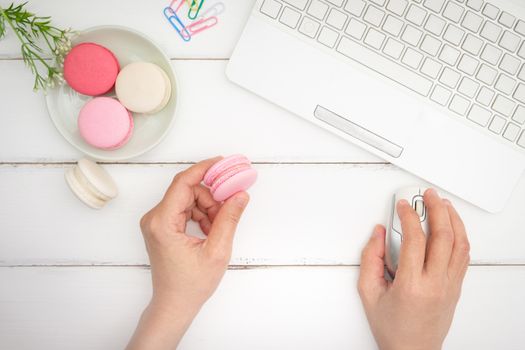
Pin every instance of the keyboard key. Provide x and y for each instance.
(468, 87)
(449, 55)
(486, 74)
(435, 25)
(459, 105)
(440, 95)
(520, 93)
(392, 25)
(510, 64)
(453, 35)
(434, 5)
(449, 77)
(475, 4)
(468, 64)
(491, 54)
(397, 6)
(497, 124)
(511, 132)
(384, 66)
(505, 84)
(416, 15)
(491, 11)
(271, 8)
(472, 44)
(393, 48)
(355, 29)
(317, 9)
(309, 27)
(519, 115)
(479, 115)
(300, 4)
(355, 7)
(509, 41)
(411, 35)
(374, 16)
(521, 140)
(290, 17)
(472, 22)
(328, 37)
(412, 58)
(375, 38)
(485, 96)
(431, 68)
(336, 19)
(453, 12)
(520, 27)
(490, 31)
(430, 45)
(503, 105)
(507, 19)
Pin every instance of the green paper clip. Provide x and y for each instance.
(194, 10)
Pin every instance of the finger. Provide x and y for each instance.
(202, 218)
(372, 275)
(441, 238)
(205, 201)
(179, 194)
(412, 253)
(220, 238)
(461, 250)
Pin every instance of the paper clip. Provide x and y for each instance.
(176, 23)
(194, 10)
(202, 25)
(213, 11)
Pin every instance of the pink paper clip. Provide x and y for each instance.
(207, 19)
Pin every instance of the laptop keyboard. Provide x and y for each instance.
(464, 55)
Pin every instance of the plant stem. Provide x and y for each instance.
(11, 24)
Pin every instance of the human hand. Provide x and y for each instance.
(415, 311)
(185, 270)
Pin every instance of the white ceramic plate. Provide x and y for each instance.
(64, 104)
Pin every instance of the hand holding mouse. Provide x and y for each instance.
(185, 270)
(416, 309)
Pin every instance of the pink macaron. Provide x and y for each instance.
(105, 123)
(230, 175)
(91, 69)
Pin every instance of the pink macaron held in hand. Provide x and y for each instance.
(104, 123)
(230, 175)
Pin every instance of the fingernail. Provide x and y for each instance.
(241, 199)
(378, 231)
(402, 203)
(432, 191)
(447, 202)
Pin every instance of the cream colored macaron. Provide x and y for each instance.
(143, 87)
(91, 183)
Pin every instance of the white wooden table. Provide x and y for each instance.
(74, 278)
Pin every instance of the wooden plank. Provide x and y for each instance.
(146, 17)
(299, 214)
(276, 308)
(231, 120)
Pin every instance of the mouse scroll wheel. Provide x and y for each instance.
(419, 207)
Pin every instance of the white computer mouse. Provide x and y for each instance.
(394, 233)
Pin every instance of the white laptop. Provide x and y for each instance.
(436, 87)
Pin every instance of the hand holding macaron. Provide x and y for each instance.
(185, 270)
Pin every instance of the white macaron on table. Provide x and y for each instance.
(72, 277)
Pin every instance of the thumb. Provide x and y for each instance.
(220, 238)
(371, 278)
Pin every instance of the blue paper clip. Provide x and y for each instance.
(194, 10)
(176, 23)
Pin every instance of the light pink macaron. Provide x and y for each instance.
(230, 175)
(105, 123)
(91, 69)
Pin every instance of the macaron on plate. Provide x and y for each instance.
(73, 109)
